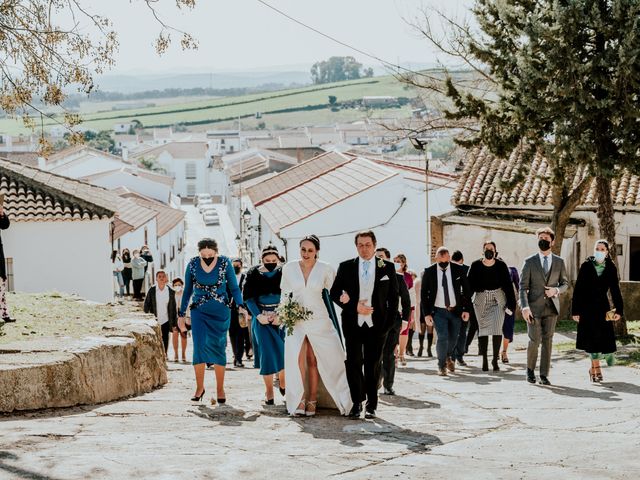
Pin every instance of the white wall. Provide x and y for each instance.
(65, 256)
(175, 267)
(89, 166)
(144, 186)
(177, 168)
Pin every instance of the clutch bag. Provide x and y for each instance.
(610, 315)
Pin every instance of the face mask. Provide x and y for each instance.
(443, 265)
(209, 260)
(178, 288)
(600, 256)
(270, 266)
(489, 254)
(398, 266)
(544, 245)
(237, 269)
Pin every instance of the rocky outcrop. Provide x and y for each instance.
(62, 372)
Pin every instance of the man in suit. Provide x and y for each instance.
(161, 302)
(461, 345)
(239, 336)
(445, 298)
(4, 311)
(366, 288)
(544, 278)
(393, 337)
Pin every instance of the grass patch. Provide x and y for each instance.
(562, 326)
(629, 359)
(55, 314)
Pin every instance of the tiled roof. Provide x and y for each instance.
(132, 213)
(26, 158)
(306, 195)
(296, 175)
(78, 151)
(176, 150)
(167, 217)
(36, 195)
(256, 162)
(480, 184)
(139, 172)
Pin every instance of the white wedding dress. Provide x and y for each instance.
(321, 334)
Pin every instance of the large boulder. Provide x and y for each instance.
(62, 372)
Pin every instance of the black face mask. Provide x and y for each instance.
(443, 265)
(237, 269)
(544, 244)
(208, 261)
(489, 254)
(270, 266)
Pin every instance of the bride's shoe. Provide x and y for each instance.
(311, 408)
(300, 411)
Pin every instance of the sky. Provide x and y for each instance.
(245, 35)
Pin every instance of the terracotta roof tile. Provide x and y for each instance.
(481, 183)
(176, 150)
(167, 217)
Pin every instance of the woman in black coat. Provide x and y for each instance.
(4, 311)
(598, 275)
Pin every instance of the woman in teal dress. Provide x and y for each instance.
(262, 295)
(209, 281)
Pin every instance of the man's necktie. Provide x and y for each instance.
(545, 265)
(445, 288)
(365, 271)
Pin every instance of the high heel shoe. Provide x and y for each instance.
(301, 410)
(504, 357)
(269, 402)
(311, 408)
(494, 364)
(598, 373)
(198, 398)
(282, 391)
(592, 375)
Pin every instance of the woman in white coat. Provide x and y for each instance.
(314, 350)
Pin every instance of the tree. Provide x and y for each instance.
(51, 46)
(368, 72)
(335, 69)
(563, 80)
(100, 141)
(150, 164)
(332, 100)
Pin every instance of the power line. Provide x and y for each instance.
(344, 44)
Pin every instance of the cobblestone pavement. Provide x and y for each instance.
(468, 425)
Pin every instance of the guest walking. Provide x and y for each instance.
(138, 265)
(598, 276)
(400, 262)
(238, 334)
(509, 318)
(544, 278)
(184, 324)
(444, 297)
(420, 325)
(262, 296)
(4, 309)
(490, 281)
(126, 270)
(390, 347)
(161, 302)
(117, 266)
(211, 281)
(461, 344)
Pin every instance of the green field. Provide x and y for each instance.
(225, 109)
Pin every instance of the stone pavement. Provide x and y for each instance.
(469, 425)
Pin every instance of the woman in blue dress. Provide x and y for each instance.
(261, 296)
(209, 280)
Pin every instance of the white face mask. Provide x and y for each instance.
(600, 256)
(178, 288)
(397, 265)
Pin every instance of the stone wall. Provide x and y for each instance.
(62, 372)
(631, 299)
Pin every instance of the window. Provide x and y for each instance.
(163, 262)
(180, 244)
(173, 253)
(146, 236)
(634, 259)
(190, 170)
(191, 189)
(8, 265)
(118, 244)
(231, 149)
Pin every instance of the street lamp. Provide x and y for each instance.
(421, 145)
(246, 215)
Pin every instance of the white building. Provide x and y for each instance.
(81, 161)
(145, 182)
(189, 163)
(122, 127)
(223, 142)
(336, 195)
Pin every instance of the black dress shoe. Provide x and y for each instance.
(389, 391)
(269, 402)
(531, 377)
(356, 410)
(8, 320)
(370, 413)
(544, 380)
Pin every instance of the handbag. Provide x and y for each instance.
(610, 315)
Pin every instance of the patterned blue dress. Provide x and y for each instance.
(210, 313)
(262, 294)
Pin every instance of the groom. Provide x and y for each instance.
(367, 290)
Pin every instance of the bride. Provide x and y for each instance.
(314, 350)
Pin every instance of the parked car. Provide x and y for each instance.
(208, 207)
(211, 218)
(204, 204)
(199, 197)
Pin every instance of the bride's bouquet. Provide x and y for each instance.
(290, 313)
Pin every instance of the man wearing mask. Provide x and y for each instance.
(239, 335)
(461, 344)
(544, 278)
(444, 296)
(393, 337)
